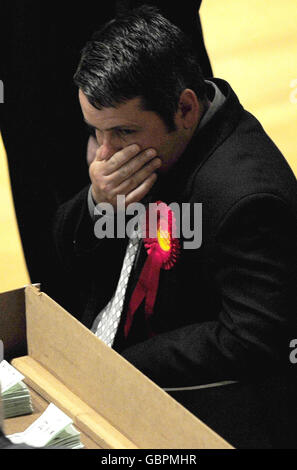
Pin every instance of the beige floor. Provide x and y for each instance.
(253, 45)
(13, 272)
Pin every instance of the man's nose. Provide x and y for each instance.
(110, 146)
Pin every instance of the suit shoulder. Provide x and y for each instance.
(247, 162)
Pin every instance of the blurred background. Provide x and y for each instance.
(253, 45)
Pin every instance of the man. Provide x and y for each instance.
(225, 309)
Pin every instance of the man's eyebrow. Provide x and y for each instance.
(114, 128)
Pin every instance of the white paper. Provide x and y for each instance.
(44, 429)
(9, 376)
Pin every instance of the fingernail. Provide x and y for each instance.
(135, 148)
(151, 153)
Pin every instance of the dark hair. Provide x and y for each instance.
(140, 54)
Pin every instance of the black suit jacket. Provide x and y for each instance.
(226, 310)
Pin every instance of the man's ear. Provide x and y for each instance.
(189, 109)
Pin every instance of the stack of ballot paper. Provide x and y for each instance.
(53, 429)
(15, 394)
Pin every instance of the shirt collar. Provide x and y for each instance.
(215, 104)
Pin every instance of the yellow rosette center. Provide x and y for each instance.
(164, 239)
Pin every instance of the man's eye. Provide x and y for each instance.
(125, 132)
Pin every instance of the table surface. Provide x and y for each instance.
(20, 423)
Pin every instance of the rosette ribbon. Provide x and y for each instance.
(163, 249)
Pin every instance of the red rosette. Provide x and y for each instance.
(163, 248)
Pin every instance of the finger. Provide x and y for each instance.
(133, 166)
(139, 177)
(100, 168)
(120, 158)
(141, 190)
(98, 156)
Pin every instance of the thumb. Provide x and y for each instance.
(99, 155)
(92, 147)
(103, 154)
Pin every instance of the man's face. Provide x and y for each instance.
(128, 124)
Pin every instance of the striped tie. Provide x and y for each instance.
(106, 324)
